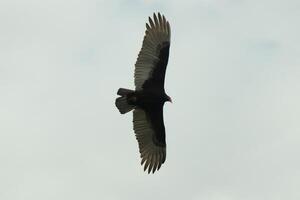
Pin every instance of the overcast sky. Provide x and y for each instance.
(233, 130)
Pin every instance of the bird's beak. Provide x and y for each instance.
(170, 100)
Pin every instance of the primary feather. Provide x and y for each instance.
(156, 39)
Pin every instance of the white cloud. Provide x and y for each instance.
(232, 132)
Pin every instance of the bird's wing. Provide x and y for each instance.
(152, 60)
(150, 133)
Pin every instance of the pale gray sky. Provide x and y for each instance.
(233, 131)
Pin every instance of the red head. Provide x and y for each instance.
(169, 99)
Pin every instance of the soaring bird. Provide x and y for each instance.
(148, 98)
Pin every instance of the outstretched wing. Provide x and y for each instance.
(150, 133)
(152, 60)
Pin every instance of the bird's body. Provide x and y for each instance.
(148, 98)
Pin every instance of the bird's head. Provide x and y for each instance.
(168, 99)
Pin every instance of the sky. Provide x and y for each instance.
(233, 130)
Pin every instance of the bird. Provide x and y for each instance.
(148, 98)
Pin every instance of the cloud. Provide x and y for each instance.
(232, 132)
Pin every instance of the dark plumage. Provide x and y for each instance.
(148, 98)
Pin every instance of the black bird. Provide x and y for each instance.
(148, 98)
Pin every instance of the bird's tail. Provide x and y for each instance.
(121, 102)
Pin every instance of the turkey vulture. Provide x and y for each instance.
(148, 98)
